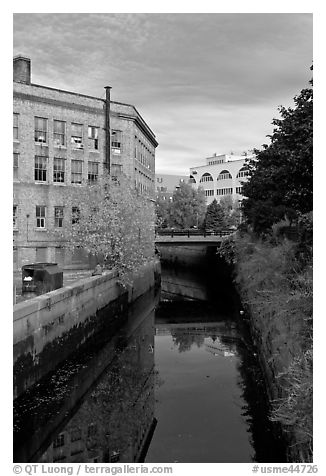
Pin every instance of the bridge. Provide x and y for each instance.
(193, 237)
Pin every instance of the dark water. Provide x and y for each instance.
(179, 384)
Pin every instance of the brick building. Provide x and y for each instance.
(61, 141)
(166, 184)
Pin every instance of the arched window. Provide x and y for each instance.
(243, 172)
(206, 178)
(224, 175)
(192, 179)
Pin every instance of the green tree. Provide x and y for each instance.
(188, 207)
(162, 209)
(281, 174)
(231, 210)
(215, 218)
(114, 223)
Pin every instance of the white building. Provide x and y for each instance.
(221, 175)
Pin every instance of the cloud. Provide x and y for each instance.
(203, 82)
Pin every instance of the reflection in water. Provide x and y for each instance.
(211, 404)
(182, 284)
(209, 393)
(114, 419)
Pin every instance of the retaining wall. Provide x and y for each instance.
(52, 326)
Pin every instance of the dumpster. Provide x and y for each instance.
(41, 277)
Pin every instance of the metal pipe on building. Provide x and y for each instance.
(107, 162)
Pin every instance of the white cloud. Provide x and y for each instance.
(204, 82)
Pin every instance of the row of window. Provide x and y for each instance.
(143, 154)
(143, 183)
(41, 170)
(224, 175)
(222, 191)
(214, 162)
(41, 134)
(41, 215)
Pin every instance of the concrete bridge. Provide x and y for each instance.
(191, 237)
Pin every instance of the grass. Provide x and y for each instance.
(276, 287)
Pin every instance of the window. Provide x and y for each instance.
(59, 133)
(206, 178)
(75, 215)
(16, 163)
(40, 168)
(215, 162)
(116, 139)
(93, 137)
(59, 441)
(224, 191)
(116, 170)
(77, 136)
(243, 172)
(14, 216)
(209, 193)
(224, 175)
(76, 171)
(15, 131)
(92, 171)
(58, 170)
(41, 129)
(40, 216)
(191, 179)
(58, 217)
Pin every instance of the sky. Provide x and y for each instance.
(205, 83)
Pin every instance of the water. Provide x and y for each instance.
(179, 384)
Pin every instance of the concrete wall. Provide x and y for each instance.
(186, 255)
(52, 326)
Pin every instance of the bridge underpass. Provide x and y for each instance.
(193, 238)
(188, 248)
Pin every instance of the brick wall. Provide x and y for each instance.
(32, 101)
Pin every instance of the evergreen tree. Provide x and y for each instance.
(215, 218)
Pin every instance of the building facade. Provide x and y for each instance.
(62, 141)
(166, 184)
(222, 175)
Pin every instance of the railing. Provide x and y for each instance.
(188, 233)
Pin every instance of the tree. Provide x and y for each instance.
(188, 207)
(162, 209)
(215, 218)
(113, 222)
(231, 210)
(281, 174)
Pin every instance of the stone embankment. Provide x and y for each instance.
(50, 327)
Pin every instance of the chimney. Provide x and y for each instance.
(22, 69)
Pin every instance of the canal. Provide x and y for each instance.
(178, 382)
